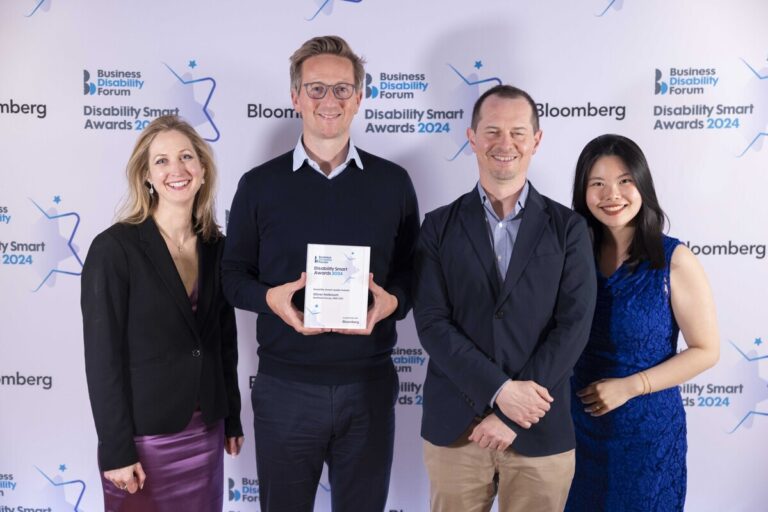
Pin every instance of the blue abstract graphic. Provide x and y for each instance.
(326, 7)
(616, 4)
(755, 387)
(44, 5)
(195, 113)
(58, 248)
(467, 92)
(759, 92)
(56, 499)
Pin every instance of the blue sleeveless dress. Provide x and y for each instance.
(633, 458)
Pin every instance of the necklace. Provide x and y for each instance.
(179, 245)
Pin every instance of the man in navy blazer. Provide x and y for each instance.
(504, 298)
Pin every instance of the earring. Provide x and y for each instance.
(203, 182)
(151, 189)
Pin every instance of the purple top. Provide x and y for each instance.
(193, 297)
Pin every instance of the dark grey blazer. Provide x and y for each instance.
(480, 332)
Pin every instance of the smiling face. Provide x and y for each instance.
(329, 117)
(611, 195)
(175, 170)
(504, 140)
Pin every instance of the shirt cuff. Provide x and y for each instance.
(496, 394)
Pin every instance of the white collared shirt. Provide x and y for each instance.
(300, 156)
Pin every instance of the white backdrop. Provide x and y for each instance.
(688, 80)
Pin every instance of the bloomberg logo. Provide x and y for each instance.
(39, 110)
(43, 381)
(728, 248)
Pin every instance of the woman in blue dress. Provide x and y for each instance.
(626, 406)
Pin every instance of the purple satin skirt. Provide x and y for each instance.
(185, 471)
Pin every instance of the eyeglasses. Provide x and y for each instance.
(318, 90)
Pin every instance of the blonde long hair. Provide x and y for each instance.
(139, 203)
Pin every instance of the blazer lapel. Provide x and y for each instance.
(473, 221)
(207, 282)
(534, 221)
(157, 252)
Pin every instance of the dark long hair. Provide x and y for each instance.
(649, 222)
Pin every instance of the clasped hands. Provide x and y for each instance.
(279, 301)
(523, 402)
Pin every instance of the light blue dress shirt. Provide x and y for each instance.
(503, 234)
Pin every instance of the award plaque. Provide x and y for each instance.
(337, 286)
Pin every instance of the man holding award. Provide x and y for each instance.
(323, 216)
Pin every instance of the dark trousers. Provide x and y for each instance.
(300, 426)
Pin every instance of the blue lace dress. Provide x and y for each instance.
(633, 458)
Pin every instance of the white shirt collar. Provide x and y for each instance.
(300, 156)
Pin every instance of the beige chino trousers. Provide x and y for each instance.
(463, 478)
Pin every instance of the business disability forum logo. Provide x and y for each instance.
(128, 99)
(8, 484)
(683, 100)
(410, 364)
(244, 489)
(37, 243)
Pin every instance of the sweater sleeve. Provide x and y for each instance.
(239, 266)
(400, 280)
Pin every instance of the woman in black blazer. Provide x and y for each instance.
(160, 339)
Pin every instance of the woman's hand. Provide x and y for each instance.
(232, 445)
(130, 478)
(605, 395)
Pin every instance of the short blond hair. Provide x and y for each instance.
(331, 45)
(139, 203)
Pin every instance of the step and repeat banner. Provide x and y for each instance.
(687, 80)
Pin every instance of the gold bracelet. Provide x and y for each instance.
(646, 383)
(642, 379)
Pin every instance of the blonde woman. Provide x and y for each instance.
(160, 339)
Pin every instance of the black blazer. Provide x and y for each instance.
(149, 360)
(480, 332)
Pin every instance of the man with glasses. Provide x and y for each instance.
(322, 396)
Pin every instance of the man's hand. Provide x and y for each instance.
(384, 304)
(605, 395)
(279, 301)
(523, 402)
(493, 434)
(130, 478)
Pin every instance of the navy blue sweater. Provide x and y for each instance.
(275, 213)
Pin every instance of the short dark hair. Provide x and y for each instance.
(649, 222)
(510, 92)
